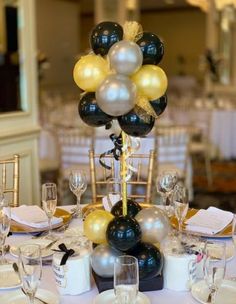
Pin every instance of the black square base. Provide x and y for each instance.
(155, 283)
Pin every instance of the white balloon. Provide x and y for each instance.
(125, 57)
(116, 95)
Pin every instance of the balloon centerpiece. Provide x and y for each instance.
(121, 81)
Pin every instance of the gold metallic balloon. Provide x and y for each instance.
(151, 81)
(95, 225)
(90, 71)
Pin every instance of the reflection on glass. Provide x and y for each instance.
(9, 58)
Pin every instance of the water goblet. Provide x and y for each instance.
(30, 269)
(126, 279)
(165, 184)
(181, 204)
(49, 202)
(5, 223)
(214, 269)
(78, 185)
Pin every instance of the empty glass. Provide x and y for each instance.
(78, 185)
(126, 279)
(30, 269)
(180, 203)
(165, 184)
(49, 202)
(5, 223)
(214, 268)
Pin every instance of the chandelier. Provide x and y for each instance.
(205, 4)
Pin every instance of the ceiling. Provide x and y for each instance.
(87, 5)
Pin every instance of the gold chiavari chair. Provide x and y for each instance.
(172, 143)
(10, 178)
(142, 178)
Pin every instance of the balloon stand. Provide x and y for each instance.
(123, 175)
(121, 81)
(155, 283)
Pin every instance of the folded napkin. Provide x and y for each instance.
(32, 216)
(210, 221)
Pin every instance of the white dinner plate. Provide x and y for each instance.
(226, 294)
(108, 297)
(8, 277)
(18, 297)
(41, 242)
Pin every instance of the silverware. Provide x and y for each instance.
(50, 245)
(16, 269)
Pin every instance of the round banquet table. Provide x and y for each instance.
(160, 296)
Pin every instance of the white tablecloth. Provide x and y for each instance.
(161, 296)
(222, 127)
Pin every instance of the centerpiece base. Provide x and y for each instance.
(155, 283)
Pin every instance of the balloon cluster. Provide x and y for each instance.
(121, 79)
(135, 234)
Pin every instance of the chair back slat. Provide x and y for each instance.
(10, 178)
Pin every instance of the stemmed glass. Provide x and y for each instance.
(30, 269)
(181, 204)
(5, 223)
(49, 201)
(214, 269)
(126, 279)
(78, 185)
(113, 191)
(165, 184)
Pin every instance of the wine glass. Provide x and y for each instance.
(30, 269)
(126, 279)
(165, 184)
(78, 185)
(49, 201)
(181, 204)
(214, 268)
(5, 223)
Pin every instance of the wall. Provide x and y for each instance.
(183, 32)
(58, 32)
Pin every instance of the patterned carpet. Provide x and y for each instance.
(222, 193)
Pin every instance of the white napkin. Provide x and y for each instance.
(32, 216)
(210, 221)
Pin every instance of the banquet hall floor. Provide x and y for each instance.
(221, 194)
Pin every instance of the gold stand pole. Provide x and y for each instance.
(123, 175)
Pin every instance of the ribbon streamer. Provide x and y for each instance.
(116, 151)
(133, 31)
(68, 253)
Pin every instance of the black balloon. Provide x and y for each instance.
(150, 260)
(90, 112)
(159, 104)
(151, 47)
(132, 208)
(104, 35)
(123, 233)
(136, 123)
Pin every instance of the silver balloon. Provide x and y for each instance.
(154, 224)
(125, 57)
(103, 259)
(116, 95)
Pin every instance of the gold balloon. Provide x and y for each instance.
(95, 226)
(90, 71)
(151, 81)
